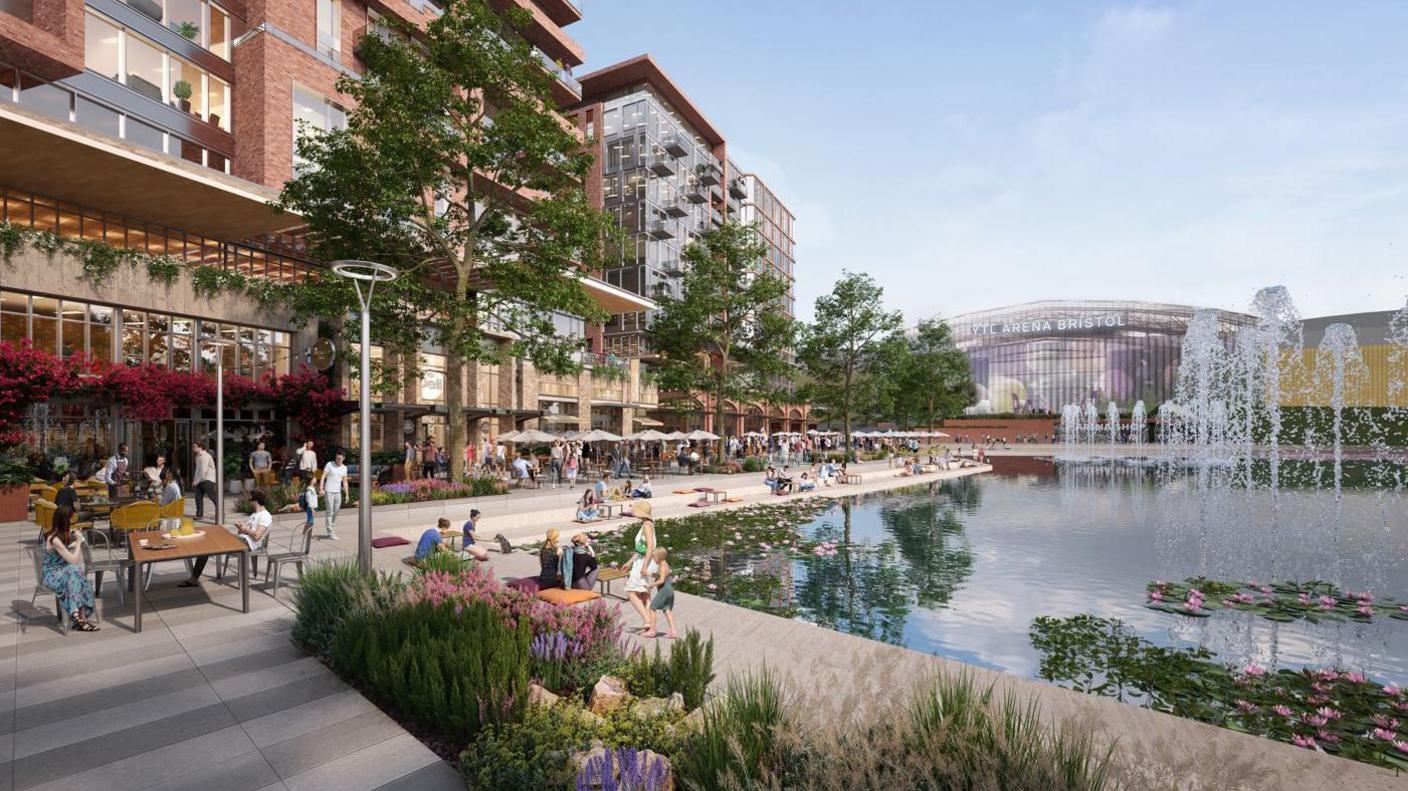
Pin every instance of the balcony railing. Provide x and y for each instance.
(27, 210)
(660, 164)
(675, 144)
(561, 72)
(662, 229)
(737, 188)
(709, 174)
(674, 207)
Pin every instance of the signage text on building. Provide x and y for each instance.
(1057, 324)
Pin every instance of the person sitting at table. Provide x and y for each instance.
(584, 563)
(770, 479)
(67, 496)
(63, 570)
(252, 532)
(587, 510)
(549, 558)
(170, 486)
(644, 491)
(151, 474)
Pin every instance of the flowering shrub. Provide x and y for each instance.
(623, 769)
(563, 636)
(147, 392)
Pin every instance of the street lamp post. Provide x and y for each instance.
(219, 345)
(371, 273)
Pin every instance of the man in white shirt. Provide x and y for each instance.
(520, 470)
(253, 532)
(307, 462)
(555, 463)
(203, 479)
(333, 488)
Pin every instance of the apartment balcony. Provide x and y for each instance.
(716, 217)
(671, 268)
(675, 207)
(737, 188)
(695, 193)
(709, 174)
(567, 89)
(561, 12)
(675, 144)
(660, 164)
(662, 229)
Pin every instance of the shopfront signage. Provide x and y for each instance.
(1050, 325)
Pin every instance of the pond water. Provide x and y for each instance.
(961, 568)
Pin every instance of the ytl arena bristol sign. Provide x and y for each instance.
(1058, 324)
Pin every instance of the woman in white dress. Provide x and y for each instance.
(643, 568)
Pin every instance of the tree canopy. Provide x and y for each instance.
(724, 335)
(455, 168)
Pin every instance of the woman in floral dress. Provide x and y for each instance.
(63, 571)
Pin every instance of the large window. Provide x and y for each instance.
(330, 27)
(119, 54)
(312, 113)
(195, 20)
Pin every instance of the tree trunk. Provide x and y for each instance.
(719, 417)
(846, 418)
(454, 386)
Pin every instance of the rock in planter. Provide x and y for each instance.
(609, 694)
(623, 767)
(646, 708)
(540, 696)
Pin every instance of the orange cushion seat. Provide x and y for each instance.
(567, 598)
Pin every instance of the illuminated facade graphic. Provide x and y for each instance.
(1041, 355)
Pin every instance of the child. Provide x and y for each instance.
(664, 599)
(310, 503)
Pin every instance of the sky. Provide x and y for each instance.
(979, 154)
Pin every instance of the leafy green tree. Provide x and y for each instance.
(922, 376)
(841, 342)
(724, 335)
(454, 168)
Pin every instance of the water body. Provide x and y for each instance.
(961, 568)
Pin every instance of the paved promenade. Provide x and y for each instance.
(209, 698)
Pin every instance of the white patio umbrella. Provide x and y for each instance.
(758, 434)
(597, 435)
(701, 435)
(649, 435)
(676, 435)
(508, 436)
(533, 436)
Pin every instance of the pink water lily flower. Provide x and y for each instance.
(1327, 737)
(1327, 601)
(1355, 678)
(1401, 746)
(1283, 710)
(1392, 690)
(1155, 596)
(1315, 720)
(1303, 741)
(1254, 669)
(1384, 722)
(1246, 706)
(1385, 734)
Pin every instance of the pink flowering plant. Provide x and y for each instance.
(1312, 601)
(564, 639)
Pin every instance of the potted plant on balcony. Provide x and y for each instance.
(15, 476)
(182, 91)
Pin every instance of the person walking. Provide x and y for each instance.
(203, 479)
(410, 461)
(427, 458)
(333, 488)
(555, 463)
(643, 568)
(261, 465)
(664, 598)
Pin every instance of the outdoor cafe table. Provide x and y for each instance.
(216, 542)
(610, 507)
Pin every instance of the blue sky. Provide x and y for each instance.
(971, 155)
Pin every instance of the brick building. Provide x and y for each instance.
(167, 126)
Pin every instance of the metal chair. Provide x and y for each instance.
(117, 565)
(300, 545)
(36, 554)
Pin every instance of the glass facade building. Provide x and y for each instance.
(1036, 357)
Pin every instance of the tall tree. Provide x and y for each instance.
(847, 328)
(725, 334)
(922, 376)
(454, 167)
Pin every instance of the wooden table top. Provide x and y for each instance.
(216, 541)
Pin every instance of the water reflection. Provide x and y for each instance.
(961, 568)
